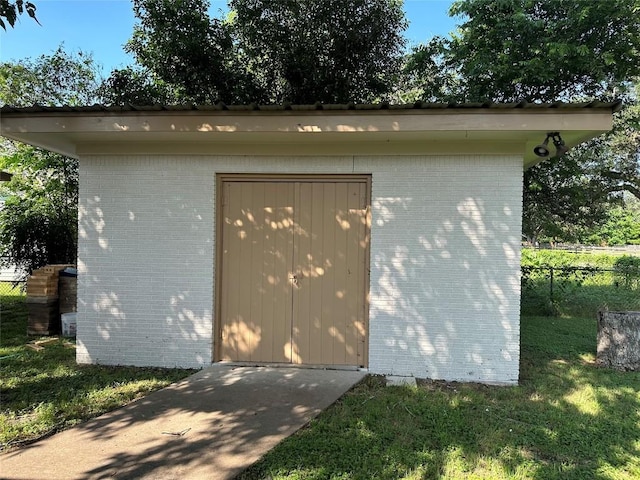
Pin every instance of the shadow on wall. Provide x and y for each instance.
(446, 296)
(145, 251)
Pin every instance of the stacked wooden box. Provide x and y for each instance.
(42, 301)
(67, 293)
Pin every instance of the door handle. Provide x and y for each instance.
(294, 279)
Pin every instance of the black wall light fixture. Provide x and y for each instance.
(543, 151)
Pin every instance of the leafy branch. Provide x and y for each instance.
(9, 11)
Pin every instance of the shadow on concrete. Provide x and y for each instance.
(211, 425)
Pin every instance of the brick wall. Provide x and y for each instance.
(444, 260)
(145, 261)
(445, 268)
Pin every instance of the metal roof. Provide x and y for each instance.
(220, 107)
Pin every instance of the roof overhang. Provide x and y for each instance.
(347, 129)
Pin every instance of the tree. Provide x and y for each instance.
(38, 223)
(60, 78)
(563, 197)
(331, 51)
(621, 228)
(178, 43)
(137, 86)
(9, 12)
(622, 164)
(544, 51)
(566, 196)
(267, 51)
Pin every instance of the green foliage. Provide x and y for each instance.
(545, 50)
(180, 44)
(622, 227)
(57, 79)
(565, 258)
(564, 196)
(9, 12)
(582, 192)
(568, 419)
(627, 268)
(137, 86)
(38, 222)
(556, 282)
(330, 51)
(425, 75)
(276, 51)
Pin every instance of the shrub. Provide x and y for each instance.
(627, 270)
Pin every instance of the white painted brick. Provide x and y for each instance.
(445, 253)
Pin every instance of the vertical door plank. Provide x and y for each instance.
(356, 273)
(237, 337)
(257, 255)
(281, 257)
(338, 330)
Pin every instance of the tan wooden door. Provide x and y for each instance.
(294, 277)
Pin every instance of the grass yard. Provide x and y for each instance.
(42, 392)
(568, 419)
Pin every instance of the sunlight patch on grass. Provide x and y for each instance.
(588, 358)
(584, 400)
(455, 462)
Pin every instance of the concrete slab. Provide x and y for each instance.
(212, 425)
(395, 381)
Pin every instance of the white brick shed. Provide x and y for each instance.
(385, 238)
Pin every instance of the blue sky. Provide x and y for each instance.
(103, 26)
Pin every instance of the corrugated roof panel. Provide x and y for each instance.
(220, 106)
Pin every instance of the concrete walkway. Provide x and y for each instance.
(212, 425)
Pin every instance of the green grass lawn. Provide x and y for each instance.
(45, 391)
(568, 419)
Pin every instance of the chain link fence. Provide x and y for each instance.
(583, 290)
(10, 284)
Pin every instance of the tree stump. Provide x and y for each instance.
(619, 340)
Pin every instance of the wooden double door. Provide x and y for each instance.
(294, 270)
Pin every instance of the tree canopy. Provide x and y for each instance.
(61, 78)
(266, 51)
(181, 45)
(333, 51)
(545, 50)
(38, 222)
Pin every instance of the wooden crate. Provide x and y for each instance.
(52, 269)
(67, 294)
(43, 282)
(42, 286)
(44, 317)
